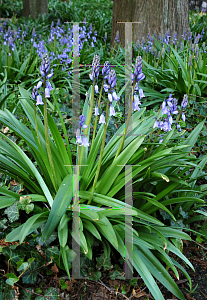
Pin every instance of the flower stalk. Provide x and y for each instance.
(88, 119)
(95, 124)
(137, 77)
(153, 143)
(48, 141)
(151, 135)
(126, 126)
(153, 128)
(100, 155)
(77, 179)
(35, 113)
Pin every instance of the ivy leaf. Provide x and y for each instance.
(103, 261)
(50, 292)
(14, 256)
(11, 279)
(12, 212)
(178, 223)
(2, 223)
(48, 241)
(84, 263)
(183, 213)
(16, 187)
(117, 273)
(26, 294)
(2, 284)
(53, 251)
(24, 204)
(93, 274)
(22, 266)
(31, 277)
(165, 215)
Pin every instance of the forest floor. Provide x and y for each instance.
(104, 288)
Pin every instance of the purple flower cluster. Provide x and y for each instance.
(136, 102)
(169, 108)
(44, 70)
(95, 67)
(9, 37)
(109, 85)
(106, 70)
(79, 140)
(86, 34)
(184, 103)
(137, 76)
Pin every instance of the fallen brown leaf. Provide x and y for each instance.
(14, 183)
(54, 269)
(6, 129)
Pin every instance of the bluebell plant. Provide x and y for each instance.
(169, 109)
(44, 83)
(108, 85)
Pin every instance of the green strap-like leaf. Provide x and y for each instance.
(158, 271)
(60, 205)
(6, 192)
(28, 227)
(145, 273)
(63, 230)
(110, 175)
(112, 202)
(106, 229)
(91, 228)
(32, 168)
(64, 254)
(86, 211)
(6, 201)
(91, 159)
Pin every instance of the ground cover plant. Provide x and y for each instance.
(39, 183)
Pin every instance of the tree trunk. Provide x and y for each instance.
(33, 8)
(158, 16)
(26, 8)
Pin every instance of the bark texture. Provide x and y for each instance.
(158, 16)
(33, 8)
